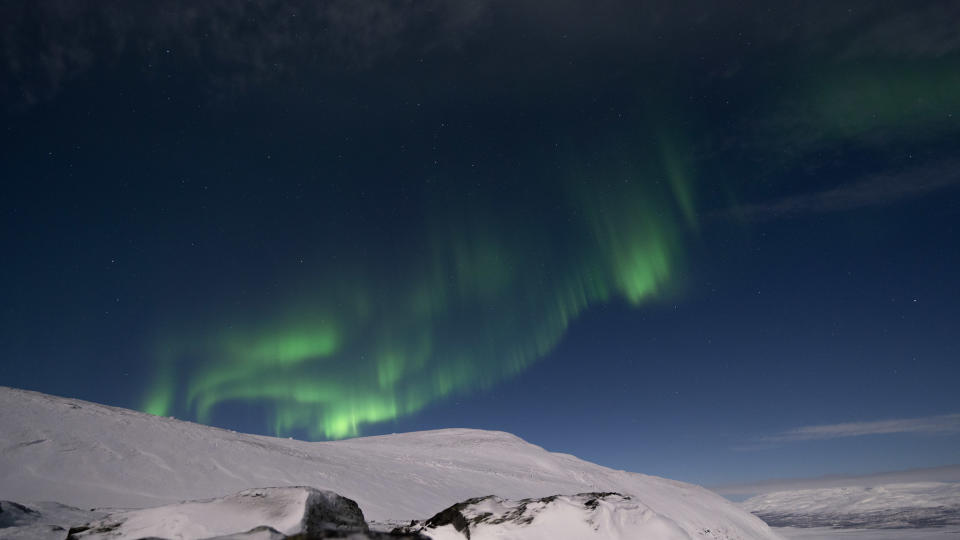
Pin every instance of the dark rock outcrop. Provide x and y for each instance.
(466, 516)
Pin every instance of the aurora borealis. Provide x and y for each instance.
(648, 233)
(477, 304)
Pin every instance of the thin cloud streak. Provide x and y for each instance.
(876, 190)
(46, 43)
(948, 423)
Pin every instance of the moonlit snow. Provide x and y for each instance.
(283, 511)
(900, 506)
(93, 456)
(586, 515)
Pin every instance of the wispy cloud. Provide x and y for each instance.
(947, 423)
(924, 31)
(236, 44)
(46, 43)
(876, 190)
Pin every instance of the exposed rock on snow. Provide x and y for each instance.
(92, 455)
(287, 511)
(14, 514)
(908, 505)
(40, 521)
(582, 516)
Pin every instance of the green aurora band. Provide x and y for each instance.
(492, 289)
(487, 284)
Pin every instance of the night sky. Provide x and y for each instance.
(711, 241)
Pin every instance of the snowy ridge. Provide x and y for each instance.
(582, 516)
(90, 455)
(40, 521)
(906, 505)
(283, 511)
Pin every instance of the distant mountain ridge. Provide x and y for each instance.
(891, 506)
(89, 455)
(942, 473)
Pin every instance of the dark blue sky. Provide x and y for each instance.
(707, 242)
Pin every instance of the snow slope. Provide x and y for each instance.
(921, 504)
(581, 516)
(40, 521)
(287, 510)
(90, 455)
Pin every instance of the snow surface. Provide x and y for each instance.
(40, 521)
(89, 455)
(919, 504)
(857, 499)
(825, 533)
(582, 516)
(285, 510)
(260, 533)
(942, 473)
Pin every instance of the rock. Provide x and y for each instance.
(604, 515)
(39, 521)
(261, 513)
(15, 514)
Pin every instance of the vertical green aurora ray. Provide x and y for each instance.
(493, 288)
(159, 401)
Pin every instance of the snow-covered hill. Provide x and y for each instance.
(581, 516)
(90, 455)
(907, 505)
